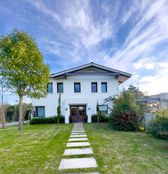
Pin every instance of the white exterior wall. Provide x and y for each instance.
(69, 97)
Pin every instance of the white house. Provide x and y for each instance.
(81, 88)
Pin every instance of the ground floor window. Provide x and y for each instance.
(40, 111)
(103, 109)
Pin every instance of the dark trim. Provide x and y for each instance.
(106, 87)
(77, 83)
(96, 87)
(36, 110)
(58, 83)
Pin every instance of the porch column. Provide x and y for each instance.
(89, 115)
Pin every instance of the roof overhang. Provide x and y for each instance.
(119, 75)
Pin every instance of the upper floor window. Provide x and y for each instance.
(94, 86)
(77, 87)
(104, 87)
(50, 87)
(60, 88)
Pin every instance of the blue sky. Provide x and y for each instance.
(129, 35)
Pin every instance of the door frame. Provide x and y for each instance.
(78, 117)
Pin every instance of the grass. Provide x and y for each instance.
(127, 152)
(37, 150)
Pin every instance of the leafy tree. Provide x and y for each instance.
(22, 68)
(126, 114)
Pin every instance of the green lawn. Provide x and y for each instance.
(39, 150)
(127, 152)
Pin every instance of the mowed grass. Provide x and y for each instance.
(36, 150)
(120, 152)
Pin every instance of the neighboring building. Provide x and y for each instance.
(81, 88)
(156, 102)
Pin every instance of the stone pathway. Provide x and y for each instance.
(78, 145)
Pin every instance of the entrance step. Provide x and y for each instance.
(78, 144)
(78, 151)
(78, 139)
(79, 135)
(78, 163)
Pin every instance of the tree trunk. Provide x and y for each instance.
(20, 126)
(3, 121)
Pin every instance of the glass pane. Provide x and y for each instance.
(94, 87)
(76, 87)
(40, 111)
(82, 110)
(50, 88)
(104, 87)
(60, 87)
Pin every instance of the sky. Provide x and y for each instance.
(129, 35)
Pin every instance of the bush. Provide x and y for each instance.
(102, 118)
(159, 126)
(47, 120)
(127, 114)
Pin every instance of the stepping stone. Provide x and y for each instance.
(78, 151)
(78, 144)
(78, 163)
(75, 136)
(78, 139)
(77, 133)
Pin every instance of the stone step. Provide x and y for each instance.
(78, 139)
(78, 163)
(78, 151)
(78, 144)
(79, 135)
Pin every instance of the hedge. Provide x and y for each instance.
(47, 120)
(102, 118)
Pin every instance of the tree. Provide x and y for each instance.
(135, 91)
(98, 112)
(59, 109)
(22, 68)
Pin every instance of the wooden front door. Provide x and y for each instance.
(78, 113)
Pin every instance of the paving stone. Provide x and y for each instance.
(78, 139)
(78, 144)
(79, 135)
(78, 163)
(78, 151)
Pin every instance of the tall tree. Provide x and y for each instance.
(22, 68)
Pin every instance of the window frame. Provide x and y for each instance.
(102, 83)
(96, 87)
(77, 83)
(50, 83)
(36, 111)
(104, 112)
(60, 83)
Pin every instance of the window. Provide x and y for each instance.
(104, 87)
(94, 86)
(50, 87)
(40, 111)
(103, 109)
(77, 87)
(59, 87)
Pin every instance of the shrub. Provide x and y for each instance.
(159, 126)
(127, 114)
(102, 118)
(47, 120)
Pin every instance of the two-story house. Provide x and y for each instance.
(81, 88)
